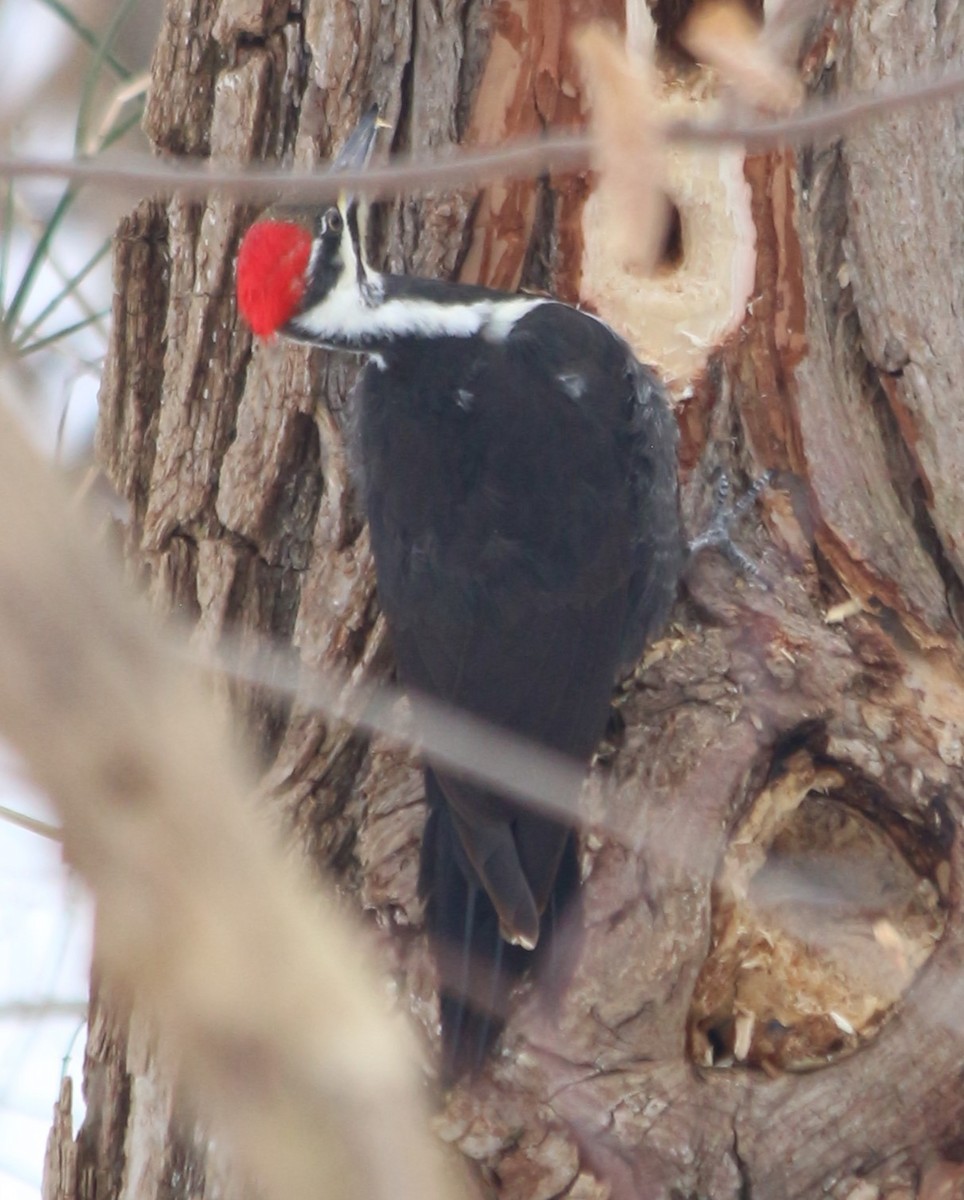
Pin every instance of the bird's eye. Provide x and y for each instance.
(334, 222)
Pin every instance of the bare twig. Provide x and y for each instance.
(558, 152)
(31, 1010)
(31, 824)
(476, 750)
(142, 175)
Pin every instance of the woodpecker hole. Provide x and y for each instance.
(825, 909)
(675, 316)
(669, 16)
(671, 251)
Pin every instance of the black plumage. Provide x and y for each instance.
(518, 471)
(523, 509)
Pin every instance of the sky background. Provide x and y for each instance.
(45, 917)
(45, 928)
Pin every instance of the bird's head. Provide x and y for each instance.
(296, 266)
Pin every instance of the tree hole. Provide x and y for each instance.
(671, 251)
(821, 921)
(669, 16)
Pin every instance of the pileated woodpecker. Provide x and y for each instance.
(518, 471)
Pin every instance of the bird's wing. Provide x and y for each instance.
(547, 679)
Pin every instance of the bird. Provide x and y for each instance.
(517, 467)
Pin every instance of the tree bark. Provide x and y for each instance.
(843, 675)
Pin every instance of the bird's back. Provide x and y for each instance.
(522, 501)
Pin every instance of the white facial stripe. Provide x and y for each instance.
(347, 316)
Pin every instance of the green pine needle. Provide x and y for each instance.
(92, 77)
(40, 252)
(60, 334)
(6, 237)
(70, 286)
(87, 35)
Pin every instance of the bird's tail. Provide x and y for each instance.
(477, 967)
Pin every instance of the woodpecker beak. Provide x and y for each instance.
(357, 151)
(355, 156)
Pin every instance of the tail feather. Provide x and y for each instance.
(477, 967)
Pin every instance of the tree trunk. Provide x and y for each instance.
(812, 718)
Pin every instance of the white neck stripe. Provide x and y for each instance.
(346, 317)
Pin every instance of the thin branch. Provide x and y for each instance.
(31, 1010)
(824, 118)
(31, 824)
(558, 152)
(141, 175)
(541, 778)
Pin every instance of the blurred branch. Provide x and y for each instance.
(18, 1010)
(102, 49)
(87, 35)
(17, 335)
(31, 824)
(143, 174)
(111, 127)
(6, 235)
(557, 152)
(59, 335)
(544, 779)
(40, 255)
(258, 987)
(69, 288)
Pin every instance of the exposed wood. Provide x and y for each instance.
(529, 83)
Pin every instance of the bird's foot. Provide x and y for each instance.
(726, 512)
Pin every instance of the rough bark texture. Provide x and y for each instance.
(843, 379)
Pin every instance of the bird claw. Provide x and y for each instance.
(726, 512)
